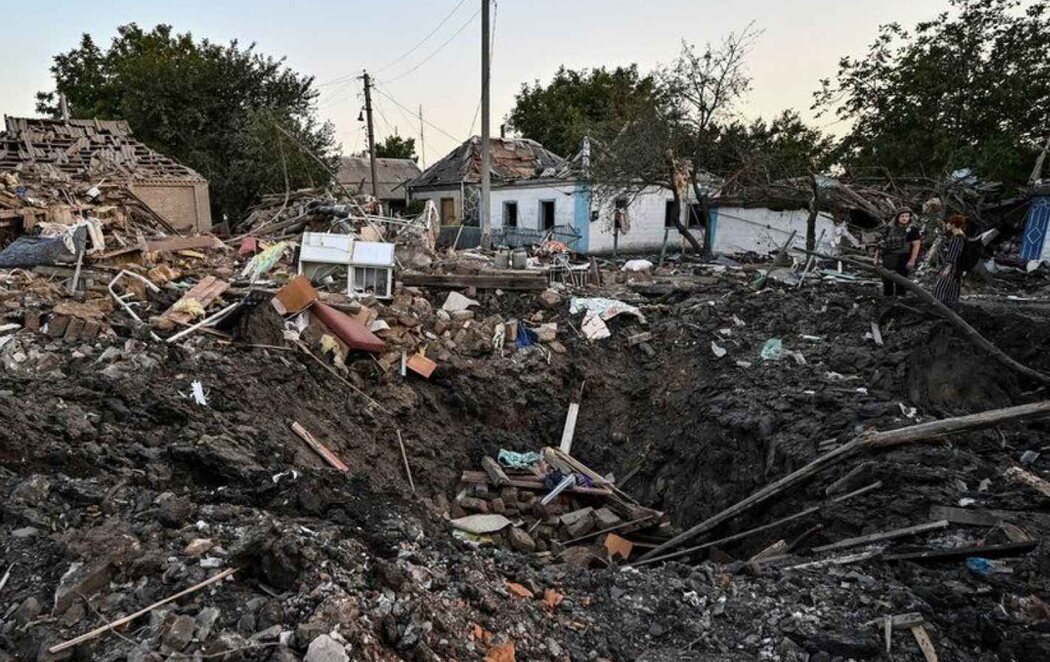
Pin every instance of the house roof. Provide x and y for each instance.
(513, 159)
(355, 174)
(91, 148)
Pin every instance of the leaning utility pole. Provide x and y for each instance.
(486, 180)
(422, 145)
(371, 134)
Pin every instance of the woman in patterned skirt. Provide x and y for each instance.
(949, 280)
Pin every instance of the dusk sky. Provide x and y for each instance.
(801, 43)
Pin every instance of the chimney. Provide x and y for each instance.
(502, 130)
(64, 107)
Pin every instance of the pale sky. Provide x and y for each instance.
(801, 43)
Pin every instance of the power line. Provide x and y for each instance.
(424, 39)
(439, 48)
(407, 110)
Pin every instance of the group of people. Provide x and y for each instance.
(898, 251)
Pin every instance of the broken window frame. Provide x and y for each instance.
(544, 223)
(509, 222)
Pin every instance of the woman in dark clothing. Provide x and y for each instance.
(949, 280)
(898, 249)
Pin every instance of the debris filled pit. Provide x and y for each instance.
(109, 463)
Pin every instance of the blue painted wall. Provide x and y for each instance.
(581, 215)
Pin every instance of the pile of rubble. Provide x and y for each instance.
(550, 502)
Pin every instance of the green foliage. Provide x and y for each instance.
(576, 103)
(210, 106)
(764, 151)
(970, 88)
(396, 147)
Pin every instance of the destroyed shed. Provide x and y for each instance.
(355, 174)
(106, 154)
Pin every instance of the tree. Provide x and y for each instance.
(969, 89)
(679, 130)
(217, 109)
(579, 103)
(396, 147)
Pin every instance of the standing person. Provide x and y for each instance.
(949, 279)
(898, 249)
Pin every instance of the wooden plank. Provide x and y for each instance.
(207, 290)
(973, 517)
(776, 549)
(488, 281)
(876, 333)
(956, 553)
(183, 243)
(884, 535)
(924, 643)
(318, 447)
(570, 427)
(963, 516)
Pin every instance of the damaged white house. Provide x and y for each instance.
(536, 192)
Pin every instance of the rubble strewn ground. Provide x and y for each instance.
(134, 468)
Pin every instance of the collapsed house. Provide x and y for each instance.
(355, 175)
(105, 153)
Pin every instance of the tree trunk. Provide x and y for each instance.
(705, 217)
(678, 216)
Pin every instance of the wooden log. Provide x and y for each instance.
(1022, 477)
(112, 626)
(947, 313)
(911, 434)
(884, 535)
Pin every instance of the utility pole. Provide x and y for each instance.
(371, 134)
(422, 145)
(486, 180)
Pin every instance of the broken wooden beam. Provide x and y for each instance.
(318, 447)
(496, 475)
(502, 280)
(956, 553)
(1022, 477)
(112, 626)
(923, 639)
(569, 430)
(911, 434)
(884, 535)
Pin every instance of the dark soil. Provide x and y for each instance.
(108, 462)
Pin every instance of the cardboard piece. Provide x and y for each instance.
(295, 297)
